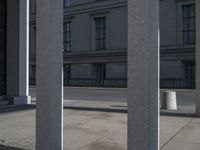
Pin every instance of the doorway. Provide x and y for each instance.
(3, 16)
(101, 73)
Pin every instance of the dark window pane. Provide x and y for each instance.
(185, 11)
(185, 25)
(185, 37)
(192, 24)
(100, 33)
(191, 11)
(67, 36)
(188, 24)
(191, 36)
(67, 3)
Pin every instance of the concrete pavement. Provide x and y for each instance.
(99, 128)
(83, 130)
(94, 130)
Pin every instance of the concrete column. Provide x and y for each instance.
(49, 63)
(18, 51)
(143, 74)
(197, 57)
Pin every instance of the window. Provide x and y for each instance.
(190, 74)
(188, 24)
(67, 3)
(67, 36)
(100, 33)
(32, 75)
(33, 41)
(100, 74)
(67, 73)
(32, 6)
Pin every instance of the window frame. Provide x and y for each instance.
(67, 3)
(67, 36)
(100, 33)
(188, 31)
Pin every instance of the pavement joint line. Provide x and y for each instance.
(96, 109)
(13, 108)
(176, 134)
(90, 88)
(187, 142)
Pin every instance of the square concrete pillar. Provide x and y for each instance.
(197, 57)
(18, 51)
(49, 62)
(143, 74)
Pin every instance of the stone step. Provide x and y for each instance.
(4, 102)
(1, 98)
(5, 107)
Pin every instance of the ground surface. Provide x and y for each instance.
(83, 130)
(91, 130)
(98, 130)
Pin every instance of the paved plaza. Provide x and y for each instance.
(93, 130)
(98, 121)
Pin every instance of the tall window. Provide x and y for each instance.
(190, 74)
(67, 36)
(188, 24)
(100, 35)
(67, 74)
(33, 41)
(67, 3)
(33, 6)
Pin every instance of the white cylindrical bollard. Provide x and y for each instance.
(169, 101)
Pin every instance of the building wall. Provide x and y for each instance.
(175, 54)
(82, 17)
(83, 26)
(85, 66)
(168, 22)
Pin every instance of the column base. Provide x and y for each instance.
(22, 100)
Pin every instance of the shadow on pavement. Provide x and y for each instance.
(15, 109)
(96, 109)
(3, 147)
(177, 114)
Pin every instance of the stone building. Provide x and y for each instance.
(95, 43)
(95, 60)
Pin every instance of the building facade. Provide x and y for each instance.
(177, 32)
(95, 43)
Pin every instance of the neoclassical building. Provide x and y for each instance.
(95, 43)
(143, 58)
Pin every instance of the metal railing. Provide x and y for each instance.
(177, 84)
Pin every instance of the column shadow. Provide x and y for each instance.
(17, 108)
(177, 114)
(3, 147)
